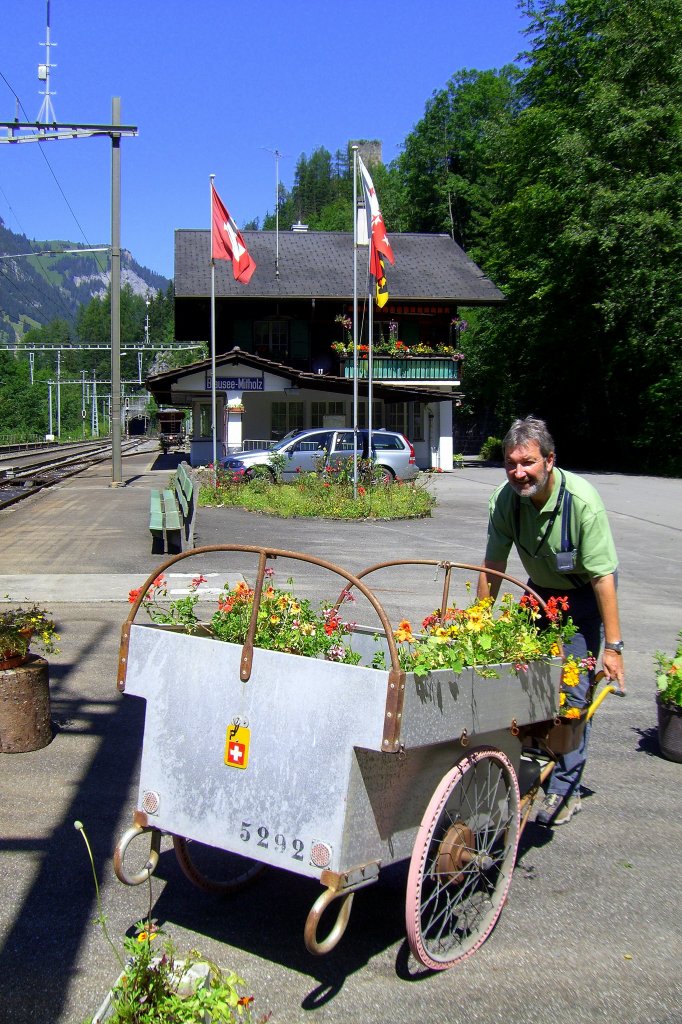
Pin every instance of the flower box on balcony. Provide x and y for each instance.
(419, 367)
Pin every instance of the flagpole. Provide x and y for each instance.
(370, 355)
(213, 391)
(355, 322)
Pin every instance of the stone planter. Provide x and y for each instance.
(670, 730)
(25, 706)
(194, 977)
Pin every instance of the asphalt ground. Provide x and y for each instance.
(592, 927)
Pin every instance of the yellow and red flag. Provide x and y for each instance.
(379, 245)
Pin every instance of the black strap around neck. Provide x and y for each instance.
(561, 499)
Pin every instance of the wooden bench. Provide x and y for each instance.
(171, 514)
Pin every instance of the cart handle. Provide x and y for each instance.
(602, 695)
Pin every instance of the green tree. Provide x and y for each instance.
(444, 163)
(584, 233)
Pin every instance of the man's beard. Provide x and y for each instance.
(527, 490)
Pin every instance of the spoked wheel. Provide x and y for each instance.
(214, 870)
(463, 858)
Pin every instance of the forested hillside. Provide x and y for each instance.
(36, 289)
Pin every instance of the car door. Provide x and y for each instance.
(306, 453)
(343, 448)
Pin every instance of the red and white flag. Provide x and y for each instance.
(227, 242)
(379, 244)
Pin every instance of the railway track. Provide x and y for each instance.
(23, 473)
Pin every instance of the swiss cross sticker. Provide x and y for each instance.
(237, 745)
(235, 753)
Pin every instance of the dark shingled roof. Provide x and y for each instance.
(319, 264)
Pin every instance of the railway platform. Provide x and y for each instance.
(591, 930)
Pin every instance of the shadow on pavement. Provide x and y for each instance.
(39, 957)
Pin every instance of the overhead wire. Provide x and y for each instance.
(101, 265)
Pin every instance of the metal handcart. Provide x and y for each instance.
(255, 758)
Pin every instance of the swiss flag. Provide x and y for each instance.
(236, 753)
(227, 242)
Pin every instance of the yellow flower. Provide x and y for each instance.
(274, 619)
(571, 713)
(555, 650)
(571, 674)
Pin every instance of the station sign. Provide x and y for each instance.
(236, 383)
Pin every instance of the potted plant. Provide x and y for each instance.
(669, 702)
(25, 722)
(19, 628)
(155, 986)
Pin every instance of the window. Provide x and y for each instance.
(406, 418)
(286, 416)
(271, 338)
(205, 421)
(319, 410)
(377, 414)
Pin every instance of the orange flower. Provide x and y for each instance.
(403, 633)
(571, 713)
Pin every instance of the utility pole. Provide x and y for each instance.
(116, 472)
(59, 394)
(36, 131)
(83, 400)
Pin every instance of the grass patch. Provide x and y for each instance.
(318, 497)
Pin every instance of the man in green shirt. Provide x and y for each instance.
(558, 524)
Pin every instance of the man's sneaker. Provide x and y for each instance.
(557, 810)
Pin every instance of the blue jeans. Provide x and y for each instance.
(583, 609)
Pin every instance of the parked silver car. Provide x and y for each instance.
(391, 452)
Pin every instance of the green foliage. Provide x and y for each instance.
(669, 675)
(585, 237)
(284, 621)
(443, 168)
(492, 450)
(24, 406)
(319, 496)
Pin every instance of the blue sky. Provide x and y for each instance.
(213, 86)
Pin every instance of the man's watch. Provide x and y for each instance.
(616, 646)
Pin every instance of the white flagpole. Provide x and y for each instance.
(370, 353)
(355, 321)
(213, 393)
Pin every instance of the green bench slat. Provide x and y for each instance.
(172, 512)
(155, 512)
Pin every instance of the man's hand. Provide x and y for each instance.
(614, 668)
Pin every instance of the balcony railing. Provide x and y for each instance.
(422, 368)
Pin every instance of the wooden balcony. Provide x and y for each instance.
(425, 369)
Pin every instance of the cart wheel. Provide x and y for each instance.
(214, 870)
(463, 858)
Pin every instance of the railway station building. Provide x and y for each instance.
(283, 342)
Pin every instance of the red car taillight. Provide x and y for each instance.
(411, 447)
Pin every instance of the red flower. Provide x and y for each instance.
(133, 595)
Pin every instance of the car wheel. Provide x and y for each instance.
(385, 474)
(262, 472)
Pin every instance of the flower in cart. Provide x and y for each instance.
(284, 622)
(480, 635)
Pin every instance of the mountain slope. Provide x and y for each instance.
(37, 289)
